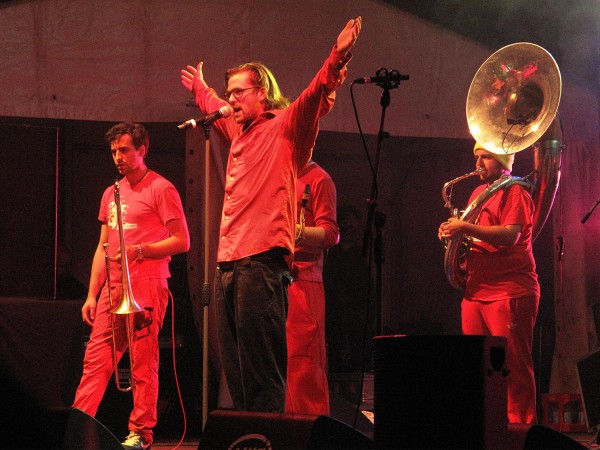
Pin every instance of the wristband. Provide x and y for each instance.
(140, 253)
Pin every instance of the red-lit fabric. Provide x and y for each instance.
(499, 273)
(514, 319)
(307, 389)
(98, 361)
(502, 294)
(259, 207)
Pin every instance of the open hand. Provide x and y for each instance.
(348, 36)
(193, 78)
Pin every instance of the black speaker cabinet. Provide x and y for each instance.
(225, 429)
(83, 431)
(539, 437)
(588, 372)
(28, 423)
(440, 392)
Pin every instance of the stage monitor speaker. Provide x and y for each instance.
(440, 392)
(28, 423)
(539, 437)
(83, 431)
(588, 372)
(345, 412)
(226, 429)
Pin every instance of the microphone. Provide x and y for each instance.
(224, 111)
(589, 213)
(382, 76)
(305, 196)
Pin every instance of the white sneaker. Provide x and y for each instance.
(135, 442)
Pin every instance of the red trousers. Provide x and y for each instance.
(514, 319)
(98, 364)
(307, 389)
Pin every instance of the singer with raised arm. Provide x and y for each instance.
(270, 141)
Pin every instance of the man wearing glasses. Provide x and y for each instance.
(271, 140)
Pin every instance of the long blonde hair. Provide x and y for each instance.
(262, 77)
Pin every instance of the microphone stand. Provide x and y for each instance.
(375, 218)
(206, 285)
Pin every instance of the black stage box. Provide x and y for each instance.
(227, 429)
(440, 392)
(588, 372)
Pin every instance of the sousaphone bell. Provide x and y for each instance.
(512, 104)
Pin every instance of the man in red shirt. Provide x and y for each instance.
(502, 289)
(154, 228)
(307, 385)
(270, 141)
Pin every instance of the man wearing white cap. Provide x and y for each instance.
(502, 290)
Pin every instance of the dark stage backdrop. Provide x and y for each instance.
(28, 187)
(41, 349)
(416, 299)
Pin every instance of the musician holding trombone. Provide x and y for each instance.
(142, 225)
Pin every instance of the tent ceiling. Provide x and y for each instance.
(569, 29)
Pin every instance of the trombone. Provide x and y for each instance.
(127, 303)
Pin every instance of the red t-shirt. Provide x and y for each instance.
(508, 271)
(145, 210)
(320, 212)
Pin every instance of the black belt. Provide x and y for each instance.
(276, 253)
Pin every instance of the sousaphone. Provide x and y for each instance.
(512, 105)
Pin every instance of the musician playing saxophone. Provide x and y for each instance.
(154, 228)
(502, 290)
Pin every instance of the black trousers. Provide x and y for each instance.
(251, 305)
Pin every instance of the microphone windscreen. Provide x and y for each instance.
(226, 110)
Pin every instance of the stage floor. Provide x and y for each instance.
(186, 445)
(586, 439)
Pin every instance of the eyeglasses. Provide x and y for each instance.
(237, 93)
